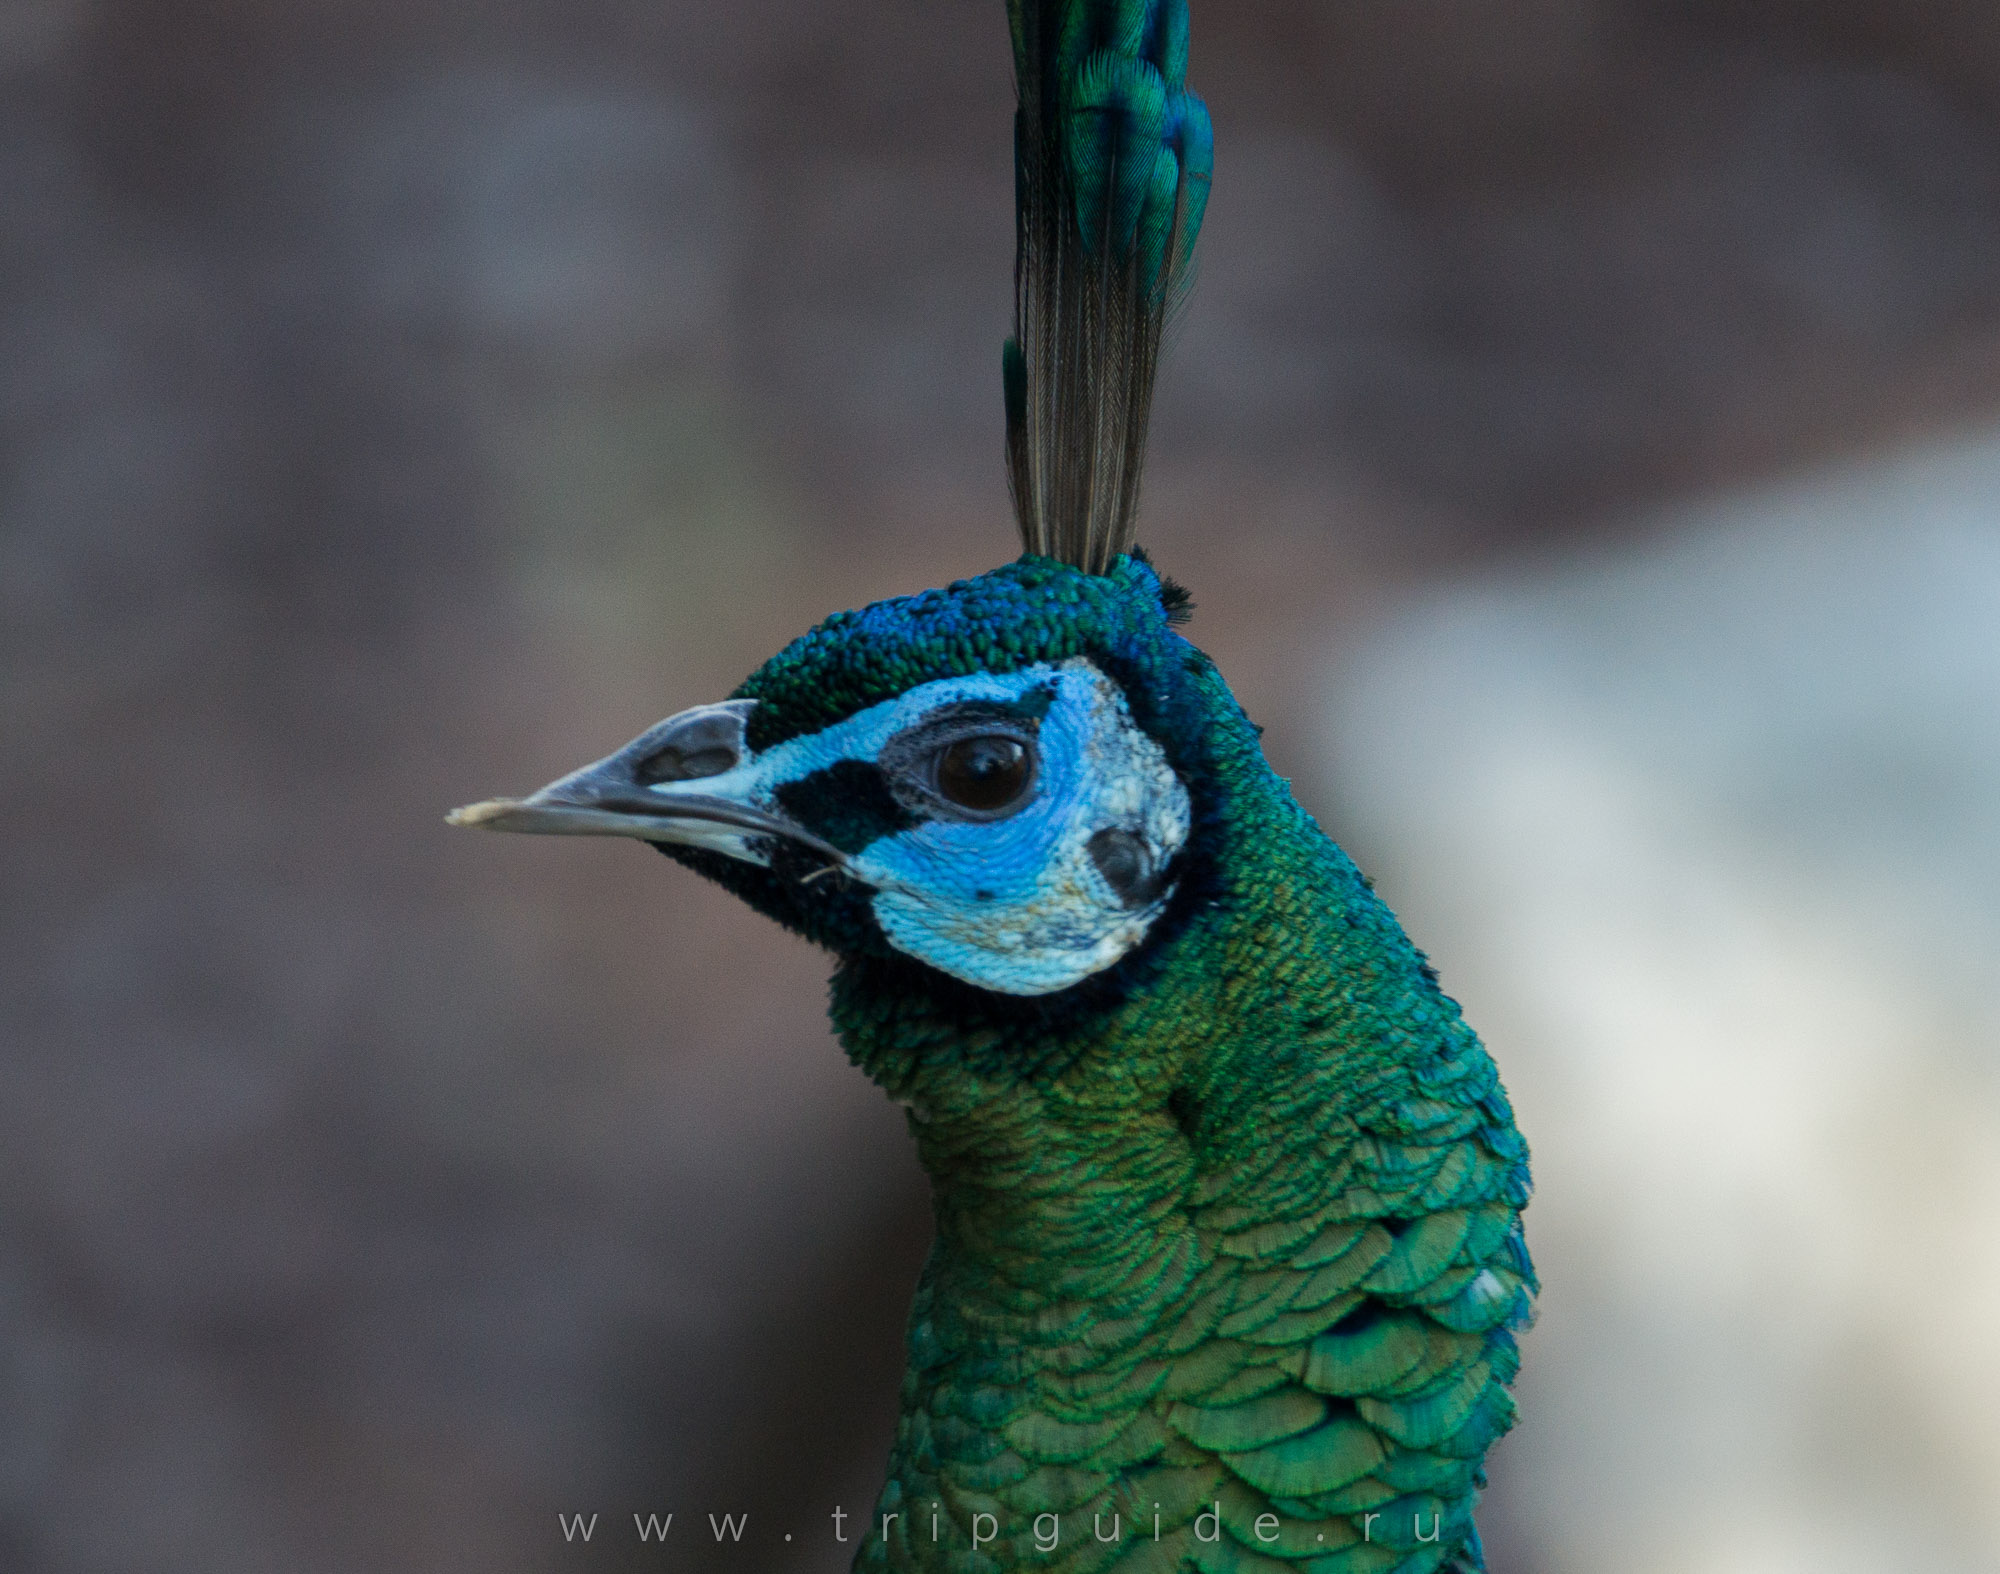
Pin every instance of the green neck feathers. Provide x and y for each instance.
(1120, 1230)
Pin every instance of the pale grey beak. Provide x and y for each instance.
(687, 780)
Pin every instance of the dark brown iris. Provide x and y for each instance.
(984, 773)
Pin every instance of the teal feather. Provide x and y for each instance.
(1112, 162)
(1116, 114)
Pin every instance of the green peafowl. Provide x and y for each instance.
(1228, 1256)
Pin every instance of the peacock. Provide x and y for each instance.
(1228, 1262)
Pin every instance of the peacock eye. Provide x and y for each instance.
(986, 773)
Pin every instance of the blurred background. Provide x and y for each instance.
(1584, 448)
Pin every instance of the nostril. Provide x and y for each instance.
(706, 743)
(674, 764)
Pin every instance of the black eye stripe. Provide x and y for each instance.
(848, 804)
(970, 716)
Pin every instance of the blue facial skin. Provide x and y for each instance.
(1034, 612)
(1025, 901)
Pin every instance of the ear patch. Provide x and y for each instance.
(1128, 866)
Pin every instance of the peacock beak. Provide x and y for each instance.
(687, 780)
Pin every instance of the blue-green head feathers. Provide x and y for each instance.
(1032, 610)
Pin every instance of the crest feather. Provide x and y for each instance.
(1112, 157)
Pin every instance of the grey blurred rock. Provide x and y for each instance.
(1705, 834)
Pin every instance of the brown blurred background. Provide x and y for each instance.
(402, 403)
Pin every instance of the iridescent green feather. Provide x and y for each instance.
(1244, 1244)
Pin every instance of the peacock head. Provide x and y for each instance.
(998, 780)
(1001, 780)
